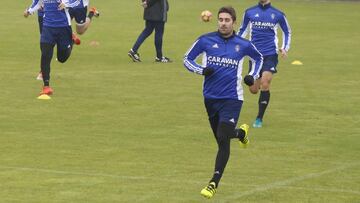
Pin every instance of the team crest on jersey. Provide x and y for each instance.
(237, 48)
(273, 16)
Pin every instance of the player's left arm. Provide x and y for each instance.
(244, 28)
(286, 35)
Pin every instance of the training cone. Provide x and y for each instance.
(296, 62)
(44, 97)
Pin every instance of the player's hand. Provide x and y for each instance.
(249, 80)
(61, 6)
(144, 4)
(283, 53)
(208, 71)
(26, 13)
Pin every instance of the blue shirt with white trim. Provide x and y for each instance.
(262, 21)
(225, 56)
(82, 4)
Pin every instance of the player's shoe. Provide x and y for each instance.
(47, 90)
(257, 123)
(76, 39)
(39, 76)
(244, 142)
(209, 191)
(95, 11)
(163, 60)
(134, 56)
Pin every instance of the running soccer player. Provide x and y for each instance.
(76, 13)
(56, 31)
(79, 13)
(263, 21)
(223, 54)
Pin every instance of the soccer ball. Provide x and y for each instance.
(206, 16)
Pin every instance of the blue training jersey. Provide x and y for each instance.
(82, 4)
(225, 57)
(53, 17)
(262, 22)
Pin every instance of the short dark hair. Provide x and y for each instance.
(228, 9)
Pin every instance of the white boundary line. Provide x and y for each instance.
(104, 175)
(75, 173)
(333, 190)
(279, 184)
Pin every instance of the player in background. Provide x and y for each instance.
(82, 21)
(78, 12)
(223, 54)
(262, 22)
(56, 31)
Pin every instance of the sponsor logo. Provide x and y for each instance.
(224, 62)
(257, 15)
(52, 1)
(237, 48)
(263, 25)
(232, 120)
(273, 16)
(216, 46)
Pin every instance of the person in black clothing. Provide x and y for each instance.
(155, 16)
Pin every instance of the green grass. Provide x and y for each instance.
(117, 131)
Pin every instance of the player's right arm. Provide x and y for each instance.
(244, 28)
(36, 5)
(257, 63)
(286, 35)
(189, 59)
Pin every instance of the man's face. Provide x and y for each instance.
(264, 1)
(226, 24)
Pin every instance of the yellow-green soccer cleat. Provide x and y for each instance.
(209, 191)
(244, 142)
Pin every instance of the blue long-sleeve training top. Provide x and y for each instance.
(262, 23)
(225, 57)
(53, 16)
